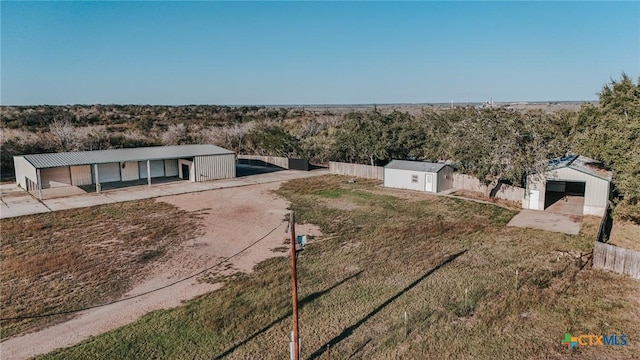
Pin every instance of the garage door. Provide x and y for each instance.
(55, 177)
(171, 167)
(157, 168)
(109, 172)
(81, 175)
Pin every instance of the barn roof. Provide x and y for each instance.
(582, 164)
(415, 166)
(51, 160)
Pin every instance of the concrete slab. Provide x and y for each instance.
(17, 202)
(78, 201)
(136, 193)
(22, 209)
(567, 204)
(57, 192)
(568, 224)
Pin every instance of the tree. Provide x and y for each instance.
(64, 135)
(610, 133)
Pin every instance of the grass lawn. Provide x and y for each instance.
(449, 264)
(66, 260)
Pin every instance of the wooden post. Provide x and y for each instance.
(294, 288)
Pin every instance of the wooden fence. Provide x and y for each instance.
(617, 259)
(357, 170)
(281, 162)
(471, 183)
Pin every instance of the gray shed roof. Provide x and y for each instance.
(582, 164)
(51, 160)
(415, 166)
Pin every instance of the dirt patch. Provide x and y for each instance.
(231, 220)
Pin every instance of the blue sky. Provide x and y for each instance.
(313, 52)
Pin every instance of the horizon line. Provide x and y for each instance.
(534, 102)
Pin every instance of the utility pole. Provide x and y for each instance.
(294, 288)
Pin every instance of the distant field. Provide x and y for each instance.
(449, 264)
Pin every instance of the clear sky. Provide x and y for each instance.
(313, 52)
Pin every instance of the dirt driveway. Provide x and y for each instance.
(233, 218)
(568, 224)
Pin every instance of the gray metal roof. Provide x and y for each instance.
(582, 164)
(50, 160)
(415, 166)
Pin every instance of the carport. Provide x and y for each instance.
(122, 167)
(574, 185)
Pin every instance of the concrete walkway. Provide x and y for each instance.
(17, 202)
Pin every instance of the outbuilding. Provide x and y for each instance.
(573, 185)
(418, 175)
(190, 162)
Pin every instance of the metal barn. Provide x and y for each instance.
(417, 175)
(190, 162)
(573, 185)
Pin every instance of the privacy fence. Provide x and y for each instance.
(500, 191)
(611, 257)
(460, 181)
(617, 259)
(278, 161)
(357, 170)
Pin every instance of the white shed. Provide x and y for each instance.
(418, 175)
(575, 184)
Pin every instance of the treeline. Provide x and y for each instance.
(38, 118)
(493, 144)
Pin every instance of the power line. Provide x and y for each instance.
(146, 292)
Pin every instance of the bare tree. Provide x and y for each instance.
(64, 135)
(175, 135)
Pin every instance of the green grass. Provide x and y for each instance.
(382, 258)
(67, 260)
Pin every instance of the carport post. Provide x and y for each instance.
(95, 171)
(39, 184)
(149, 172)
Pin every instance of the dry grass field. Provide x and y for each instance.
(87, 256)
(449, 264)
(625, 234)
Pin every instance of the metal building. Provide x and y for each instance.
(417, 175)
(189, 162)
(575, 185)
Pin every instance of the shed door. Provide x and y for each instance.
(54, 177)
(109, 172)
(428, 182)
(534, 199)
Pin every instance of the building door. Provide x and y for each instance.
(109, 172)
(428, 182)
(185, 171)
(534, 199)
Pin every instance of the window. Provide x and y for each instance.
(414, 179)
